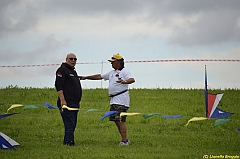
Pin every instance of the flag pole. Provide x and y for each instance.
(101, 72)
(206, 92)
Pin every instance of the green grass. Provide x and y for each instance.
(40, 131)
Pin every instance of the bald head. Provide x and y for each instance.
(70, 55)
(71, 59)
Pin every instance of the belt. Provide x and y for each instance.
(118, 93)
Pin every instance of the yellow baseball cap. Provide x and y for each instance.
(116, 57)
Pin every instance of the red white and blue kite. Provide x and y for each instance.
(211, 103)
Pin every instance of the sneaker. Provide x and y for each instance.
(124, 143)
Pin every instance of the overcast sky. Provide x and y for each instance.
(45, 31)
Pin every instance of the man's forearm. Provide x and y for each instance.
(130, 81)
(60, 95)
(91, 77)
(62, 98)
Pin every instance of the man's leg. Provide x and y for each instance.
(70, 121)
(122, 129)
(120, 122)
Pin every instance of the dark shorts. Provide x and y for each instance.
(119, 108)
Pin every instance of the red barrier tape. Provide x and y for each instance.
(184, 60)
(187, 60)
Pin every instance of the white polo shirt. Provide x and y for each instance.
(114, 87)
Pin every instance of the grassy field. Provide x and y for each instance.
(40, 131)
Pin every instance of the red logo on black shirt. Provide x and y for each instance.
(59, 74)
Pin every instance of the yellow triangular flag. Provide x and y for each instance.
(68, 108)
(196, 119)
(14, 106)
(129, 114)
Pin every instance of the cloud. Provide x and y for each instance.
(46, 51)
(225, 73)
(94, 7)
(42, 32)
(17, 16)
(185, 23)
(209, 28)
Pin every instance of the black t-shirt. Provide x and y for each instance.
(68, 81)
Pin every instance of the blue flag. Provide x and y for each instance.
(171, 116)
(6, 115)
(108, 114)
(49, 106)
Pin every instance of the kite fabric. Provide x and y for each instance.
(128, 114)
(108, 114)
(6, 115)
(171, 116)
(31, 107)
(50, 106)
(145, 116)
(14, 106)
(68, 108)
(196, 119)
(213, 101)
(221, 121)
(6, 142)
(218, 113)
(92, 110)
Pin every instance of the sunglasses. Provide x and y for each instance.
(75, 59)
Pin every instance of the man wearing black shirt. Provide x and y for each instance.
(69, 91)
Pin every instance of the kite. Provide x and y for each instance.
(6, 142)
(6, 115)
(171, 116)
(68, 108)
(211, 102)
(14, 106)
(221, 121)
(196, 119)
(145, 116)
(238, 129)
(108, 114)
(31, 107)
(128, 114)
(50, 106)
(211, 107)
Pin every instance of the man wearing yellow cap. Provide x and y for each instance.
(119, 79)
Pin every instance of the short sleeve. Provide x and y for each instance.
(106, 76)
